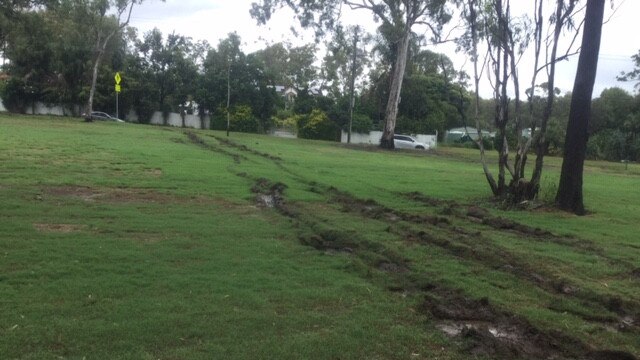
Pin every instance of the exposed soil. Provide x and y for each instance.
(59, 228)
(154, 172)
(118, 195)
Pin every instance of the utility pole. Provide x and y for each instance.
(353, 80)
(228, 93)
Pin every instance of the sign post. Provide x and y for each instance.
(118, 79)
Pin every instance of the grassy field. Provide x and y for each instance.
(124, 241)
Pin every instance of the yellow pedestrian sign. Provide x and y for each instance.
(118, 79)
(117, 88)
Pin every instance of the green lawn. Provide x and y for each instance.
(125, 241)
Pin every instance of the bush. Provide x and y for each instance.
(608, 145)
(14, 95)
(241, 119)
(317, 125)
(145, 110)
(361, 123)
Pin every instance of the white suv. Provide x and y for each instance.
(407, 142)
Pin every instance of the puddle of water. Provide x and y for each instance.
(455, 329)
(267, 200)
(451, 329)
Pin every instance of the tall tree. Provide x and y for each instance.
(170, 64)
(104, 28)
(569, 195)
(288, 65)
(506, 38)
(401, 15)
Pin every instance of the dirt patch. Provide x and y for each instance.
(81, 192)
(390, 267)
(129, 195)
(153, 172)
(59, 228)
(610, 355)
(330, 241)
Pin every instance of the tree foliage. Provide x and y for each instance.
(633, 75)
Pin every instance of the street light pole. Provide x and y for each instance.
(353, 81)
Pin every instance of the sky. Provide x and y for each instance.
(212, 20)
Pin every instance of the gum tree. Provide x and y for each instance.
(104, 27)
(505, 39)
(569, 195)
(400, 15)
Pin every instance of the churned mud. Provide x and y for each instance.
(268, 194)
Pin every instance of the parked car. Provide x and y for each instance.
(98, 115)
(407, 142)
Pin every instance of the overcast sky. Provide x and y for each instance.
(212, 20)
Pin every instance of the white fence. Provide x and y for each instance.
(373, 138)
(39, 108)
(174, 119)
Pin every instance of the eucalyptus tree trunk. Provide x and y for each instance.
(569, 196)
(391, 113)
(541, 143)
(101, 46)
(473, 19)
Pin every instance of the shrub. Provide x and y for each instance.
(14, 95)
(241, 119)
(317, 125)
(361, 123)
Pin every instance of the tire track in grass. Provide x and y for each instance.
(482, 217)
(502, 334)
(484, 251)
(466, 245)
(485, 329)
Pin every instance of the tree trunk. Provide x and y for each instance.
(94, 79)
(391, 113)
(476, 109)
(569, 196)
(101, 47)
